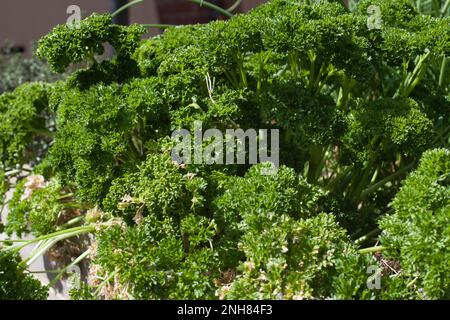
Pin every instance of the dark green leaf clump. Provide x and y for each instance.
(68, 44)
(109, 137)
(379, 130)
(15, 283)
(24, 118)
(418, 233)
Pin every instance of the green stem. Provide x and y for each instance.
(344, 92)
(213, 7)
(413, 79)
(66, 196)
(125, 7)
(413, 281)
(101, 285)
(312, 70)
(344, 5)
(361, 182)
(44, 271)
(237, 4)
(232, 78)
(158, 25)
(445, 8)
(323, 68)
(372, 249)
(39, 251)
(71, 222)
(381, 183)
(73, 263)
(443, 71)
(68, 233)
(441, 136)
(366, 237)
(13, 241)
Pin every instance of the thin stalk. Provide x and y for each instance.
(68, 233)
(445, 8)
(368, 236)
(39, 251)
(324, 81)
(372, 249)
(231, 76)
(73, 263)
(316, 163)
(367, 173)
(43, 132)
(101, 285)
(443, 71)
(16, 171)
(344, 5)
(341, 181)
(413, 281)
(236, 5)
(344, 92)
(71, 222)
(69, 195)
(125, 7)
(436, 7)
(13, 241)
(293, 62)
(44, 271)
(414, 78)
(381, 183)
(12, 172)
(323, 68)
(213, 7)
(312, 70)
(441, 135)
(158, 25)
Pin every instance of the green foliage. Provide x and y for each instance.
(418, 233)
(355, 107)
(381, 129)
(154, 260)
(15, 283)
(108, 137)
(284, 194)
(68, 44)
(161, 186)
(37, 210)
(23, 119)
(288, 259)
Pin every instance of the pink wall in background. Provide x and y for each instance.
(24, 21)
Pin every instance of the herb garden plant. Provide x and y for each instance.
(363, 116)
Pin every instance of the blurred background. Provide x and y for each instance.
(23, 22)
